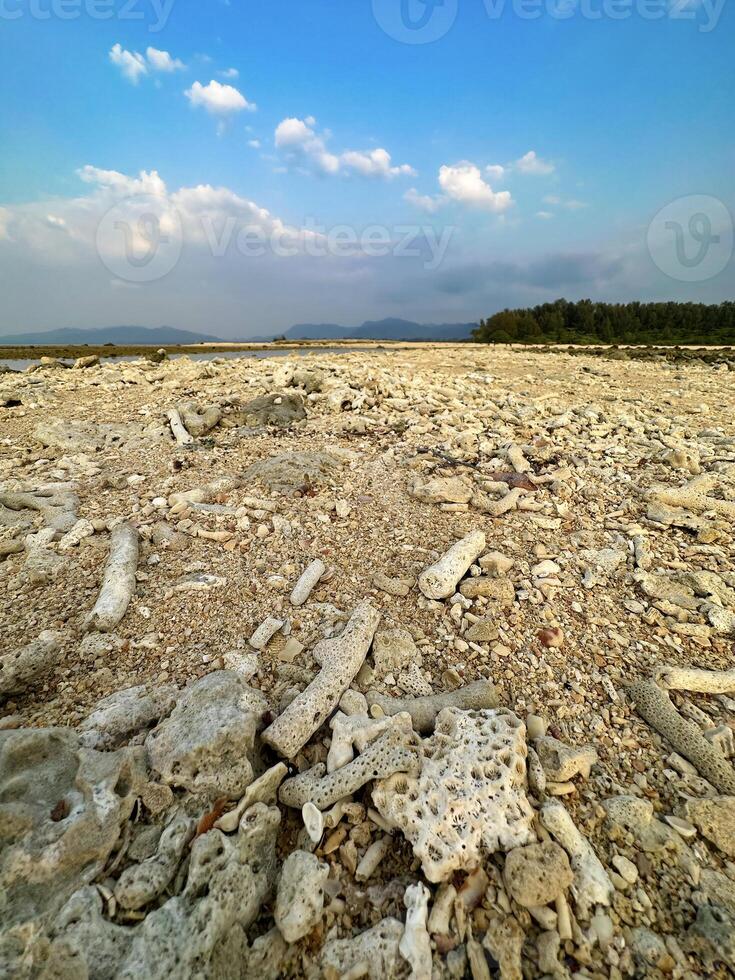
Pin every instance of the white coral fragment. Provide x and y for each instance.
(694, 496)
(394, 752)
(591, 885)
(300, 898)
(350, 732)
(307, 582)
(340, 659)
(265, 633)
(415, 945)
(439, 580)
(118, 584)
(372, 858)
(313, 821)
(674, 678)
(178, 429)
(469, 797)
(424, 710)
(73, 538)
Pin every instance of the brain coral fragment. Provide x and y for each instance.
(469, 798)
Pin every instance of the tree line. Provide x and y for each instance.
(587, 322)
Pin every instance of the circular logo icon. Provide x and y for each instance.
(415, 21)
(139, 238)
(691, 239)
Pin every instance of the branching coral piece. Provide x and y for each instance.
(199, 423)
(694, 496)
(656, 707)
(591, 885)
(207, 493)
(394, 752)
(57, 503)
(423, 711)
(439, 580)
(469, 798)
(265, 632)
(674, 678)
(118, 584)
(350, 732)
(497, 507)
(415, 945)
(264, 789)
(340, 660)
(178, 429)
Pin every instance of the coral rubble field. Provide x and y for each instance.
(391, 663)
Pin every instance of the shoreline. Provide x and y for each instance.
(73, 351)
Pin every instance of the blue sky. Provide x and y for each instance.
(541, 141)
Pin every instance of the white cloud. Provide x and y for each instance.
(495, 171)
(55, 222)
(301, 144)
(4, 222)
(202, 214)
(375, 163)
(120, 185)
(134, 66)
(131, 64)
(230, 73)
(218, 99)
(424, 202)
(570, 204)
(162, 61)
(463, 182)
(545, 215)
(530, 163)
(254, 144)
(294, 132)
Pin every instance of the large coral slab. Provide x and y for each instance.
(469, 798)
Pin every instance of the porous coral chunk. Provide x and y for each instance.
(300, 898)
(469, 798)
(206, 744)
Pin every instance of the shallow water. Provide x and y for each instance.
(21, 364)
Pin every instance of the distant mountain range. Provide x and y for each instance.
(155, 336)
(388, 329)
(391, 328)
